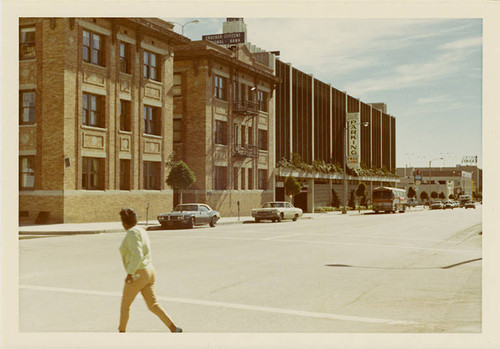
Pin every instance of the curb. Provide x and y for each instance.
(40, 234)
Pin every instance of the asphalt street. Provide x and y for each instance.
(418, 272)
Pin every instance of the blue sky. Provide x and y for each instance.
(427, 71)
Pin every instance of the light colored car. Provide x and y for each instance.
(189, 215)
(470, 204)
(449, 204)
(437, 205)
(276, 211)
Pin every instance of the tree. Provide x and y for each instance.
(360, 192)
(411, 192)
(424, 196)
(434, 195)
(335, 199)
(180, 177)
(292, 187)
(442, 196)
(351, 202)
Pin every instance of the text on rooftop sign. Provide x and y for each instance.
(226, 38)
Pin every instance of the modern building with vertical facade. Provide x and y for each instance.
(224, 125)
(310, 121)
(95, 117)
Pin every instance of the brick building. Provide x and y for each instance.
(223, 125)
(95, 117)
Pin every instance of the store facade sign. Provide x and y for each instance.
(226, 38)
(353, 145)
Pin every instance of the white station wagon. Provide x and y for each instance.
(276, 211)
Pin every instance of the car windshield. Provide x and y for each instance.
(274, 204)
(180, 208)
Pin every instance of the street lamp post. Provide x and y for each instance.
(430, 174)
(183, 25)
(344, 209)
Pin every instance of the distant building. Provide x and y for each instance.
(95, 117)
(447, 180)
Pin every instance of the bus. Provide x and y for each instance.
(389, 199)
(462, 199)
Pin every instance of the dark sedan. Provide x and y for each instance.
(189, 215)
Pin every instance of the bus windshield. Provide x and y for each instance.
(383, 194)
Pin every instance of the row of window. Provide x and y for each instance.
(240, 135)
(93, 52)
(93, 175)
(93, 113)
(241, 92)
(239, 180)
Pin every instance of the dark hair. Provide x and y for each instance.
(129, 216)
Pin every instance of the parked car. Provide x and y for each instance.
(437, 205)
(276, 211)
(189, 215)
(470, 204)
(448, 204)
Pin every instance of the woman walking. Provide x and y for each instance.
(136, 255)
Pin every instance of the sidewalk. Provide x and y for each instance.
(45, 230)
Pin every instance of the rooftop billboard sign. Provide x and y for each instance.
(226, 38)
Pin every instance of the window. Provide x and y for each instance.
(26, 172)
(152, 121)
(220, 88)
(124, 174)
(243, 134)
(262, 179)
(92, 174)
(177, 126)
(235, 178)
(262, 141)
(243, 184)
(250, 178)
(220, 132)
(152, 175)
(262, 100)
(125, 122)
(250, 135)
(220, 178)
(27, 43)
(92, 110)
(27, 107)
(93, 48)
(125, 58)
(177, 85)
(150, 66)
(236, 135)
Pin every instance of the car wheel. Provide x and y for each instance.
(280, 217)
(295, 217)
(213, 221)
(191, 223)
(257, 220)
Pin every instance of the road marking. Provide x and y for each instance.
(312, 314)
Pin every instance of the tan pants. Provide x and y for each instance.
(145, 284)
